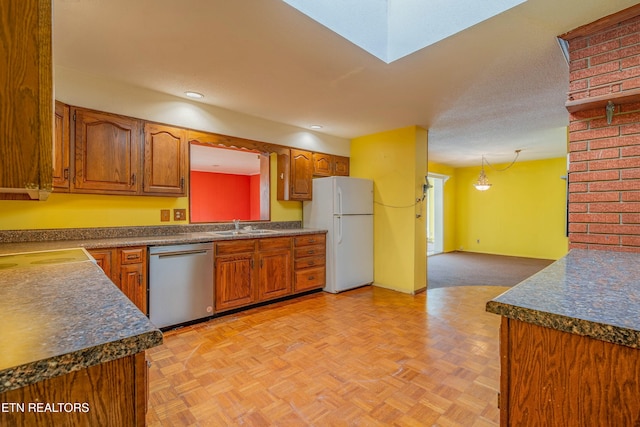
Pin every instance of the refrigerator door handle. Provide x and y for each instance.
(339, 191)
(339, 231)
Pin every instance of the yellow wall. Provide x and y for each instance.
(449, 204)
(89, 210)
(523, 214)
(281, 211)
(86, 210)
(396, 161)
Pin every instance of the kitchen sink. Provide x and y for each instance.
(259, 231)
(226, 233)
(243, 232)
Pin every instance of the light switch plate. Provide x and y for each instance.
(165, 215)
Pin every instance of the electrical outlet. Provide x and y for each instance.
(165, 215)
(179, 214)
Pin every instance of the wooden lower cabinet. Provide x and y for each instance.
(258, 270)
(127, 269)
(234, 277)
(554, 378)
(113, 393)
(274, 262)
(309, 261)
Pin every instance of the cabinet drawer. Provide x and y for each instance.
(274, 243)
(309, 251)
(235, 247)
(131, 255)
(307, 262)
(310, 278)
(311, 239)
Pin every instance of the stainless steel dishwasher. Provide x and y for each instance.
(180, 283)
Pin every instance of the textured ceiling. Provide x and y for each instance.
(491, 89)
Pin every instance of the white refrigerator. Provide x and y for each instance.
(344, 207)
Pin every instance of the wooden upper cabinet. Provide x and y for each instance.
(301, 174)
(341, 166)
(322, 164)
(295, 174)
(26, 100)
(107, 152)
(61, 148)
(330, 165)
(165, 160)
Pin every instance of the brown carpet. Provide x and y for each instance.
(475, 269)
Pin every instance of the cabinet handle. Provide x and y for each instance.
(311, 263)
(182, 183)
(133, 179)
(311, 252)
(311, 277)
(312, 240)
(251, 263)
(65, 174)
(132, 256)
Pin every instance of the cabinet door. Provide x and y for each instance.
(165, 160)
(340, 166)
(127, 269)
(133, 275)
(107, 152)
(104, 258)
(274, 273)
(234, 281)
(133, 284)
(322, 164)
(61, 148)
(26, 98)
(301, 175)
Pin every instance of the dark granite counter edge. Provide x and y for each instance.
(30, 373)
(110, 242)
(599, 331)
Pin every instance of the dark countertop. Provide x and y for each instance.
(106, 242)
(588, 292)
(64, 317)
(60, 318)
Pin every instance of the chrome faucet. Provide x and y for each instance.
(236, 223)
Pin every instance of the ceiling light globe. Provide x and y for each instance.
(194, 95)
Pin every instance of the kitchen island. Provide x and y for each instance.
(570, 343)
(72, 348)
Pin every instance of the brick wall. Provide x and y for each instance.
(604, 168)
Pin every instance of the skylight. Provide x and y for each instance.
(392, 29)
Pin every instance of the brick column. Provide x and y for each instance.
(604, 168)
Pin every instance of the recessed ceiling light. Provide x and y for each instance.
(315, 127)
(194, 95)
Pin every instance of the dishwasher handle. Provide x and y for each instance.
(180, 253)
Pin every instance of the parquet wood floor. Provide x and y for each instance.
(366, 357)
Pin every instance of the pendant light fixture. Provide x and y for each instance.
(482, 184)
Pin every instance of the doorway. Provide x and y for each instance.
(435, 214)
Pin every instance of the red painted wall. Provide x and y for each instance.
(604, 169)
(219, 197)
